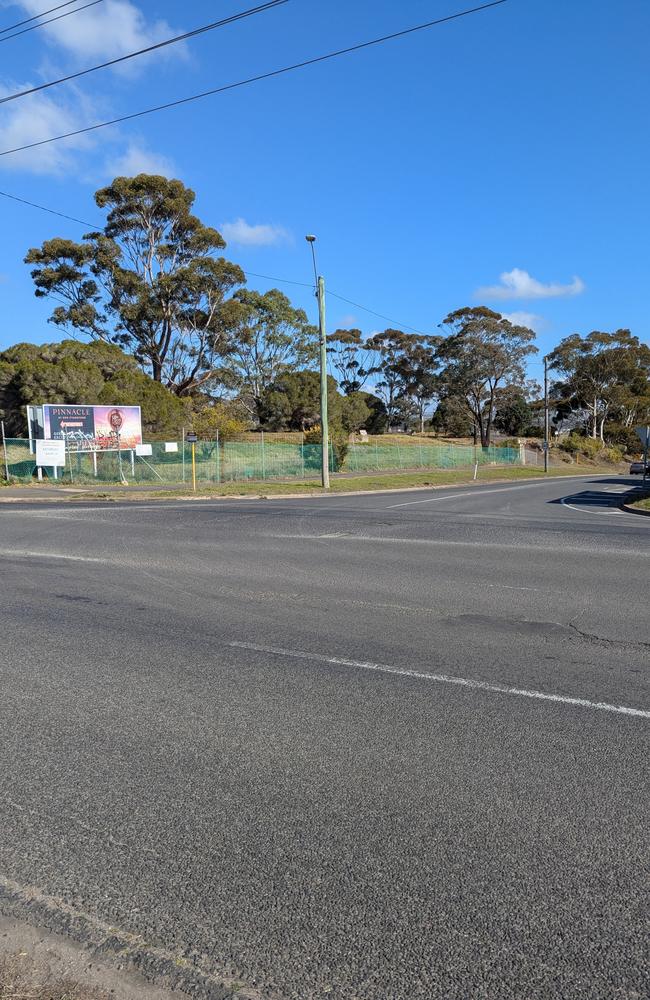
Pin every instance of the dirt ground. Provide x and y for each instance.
(38, 965)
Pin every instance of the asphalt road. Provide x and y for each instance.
(373, 747)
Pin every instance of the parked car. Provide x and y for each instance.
(636, 468)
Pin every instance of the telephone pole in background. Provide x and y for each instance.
(324, 424)
(545, 414)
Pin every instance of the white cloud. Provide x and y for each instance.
(348, 321)
(105, 31)
(39, 117)
(245, 235)
(137, 159)
(518, 284)
(521, 318)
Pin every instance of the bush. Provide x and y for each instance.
(338, 441)
(576, 444)
(625, 438)
(611, 454)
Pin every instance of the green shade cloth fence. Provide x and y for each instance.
(238, 461)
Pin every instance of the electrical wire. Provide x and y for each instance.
(254, 79)
(32, 204)
(35, 17)
(282, 281)
(270, 5)
(249, 274)
(388, 319)
(42, 24)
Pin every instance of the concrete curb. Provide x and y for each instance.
(134, 498)
(635, 510)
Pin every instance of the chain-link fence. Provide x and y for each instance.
(258, 457)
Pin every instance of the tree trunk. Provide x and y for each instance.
(156, 370)
(594, 422)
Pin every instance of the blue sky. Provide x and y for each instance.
(501, 158)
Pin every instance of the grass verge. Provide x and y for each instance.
(643, 504)
(342, 484)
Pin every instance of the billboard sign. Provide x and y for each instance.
(92, 427)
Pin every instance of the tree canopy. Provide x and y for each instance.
(95, 373)
(150, 282)
(268, 338)
(606, 375)
(483, 354)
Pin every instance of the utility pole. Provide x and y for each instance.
(545, 414)
(324, 423)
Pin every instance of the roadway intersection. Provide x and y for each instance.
(377, 746)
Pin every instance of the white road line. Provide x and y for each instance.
(586, 510)
(454, 543)
(479, 491)
(28, 554)
(466, 682)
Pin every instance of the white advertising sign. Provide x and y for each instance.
(171, 446)
(143, 449)
(50, 453)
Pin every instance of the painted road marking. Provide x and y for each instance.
(349, 538)
(27, 554)
(447, 679)
(468, 493)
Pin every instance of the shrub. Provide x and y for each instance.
(338, 441)
(611, 454)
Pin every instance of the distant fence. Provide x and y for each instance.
(259, 457)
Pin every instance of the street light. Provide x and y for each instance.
(320, 295)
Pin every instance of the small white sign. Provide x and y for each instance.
(171, 446)
(50, 453)
(143, 449)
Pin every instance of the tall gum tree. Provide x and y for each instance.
(605, 374)
(482, 355)
(151, 281)
(268, 337)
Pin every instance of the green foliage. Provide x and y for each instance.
(269, 339)
(378, 417)
(513, 414)
(405, 363)
(355, 412)
(483, 355)
(351, 359)
(209, 418)
(624, 438)
(578, 444)
(292, 402)
(606, 375)
(339, 443)
(452, 418)
(95, 374)
(150, 282)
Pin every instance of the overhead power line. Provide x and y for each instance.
(270, 5)
(255, 79)
(388, 319)
(42, 24)
(35, 17)
(52, 211)
(249, 274)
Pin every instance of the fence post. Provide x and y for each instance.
(263, 457)
(218, 457)
(183, 457)
(4, 449)
(302, 452)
